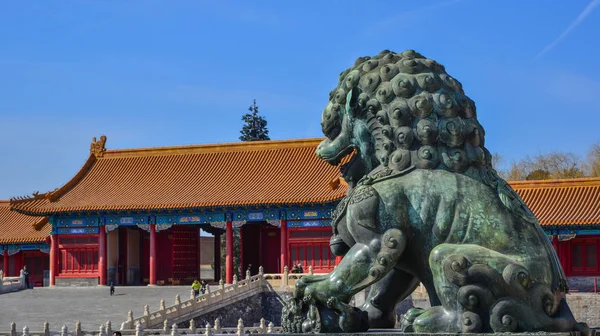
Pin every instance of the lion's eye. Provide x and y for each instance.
(333, 132)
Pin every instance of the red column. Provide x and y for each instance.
(152, 254)
(53, 259)
(284, 243)
(5, 266)
(229, 253)
(102, 255)
(242, 269)
(338, 260)
(18, 265)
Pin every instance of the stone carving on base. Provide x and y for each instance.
(425, 205)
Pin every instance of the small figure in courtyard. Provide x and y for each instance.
(250, 268)
(300, 269)
(196, 287)
(203, 287)
(26, 276)
(112, 288)
(294, 269)
(116, 333)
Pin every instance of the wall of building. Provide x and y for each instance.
(133, 257)
(207, 250)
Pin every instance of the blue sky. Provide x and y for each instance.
(159, 73)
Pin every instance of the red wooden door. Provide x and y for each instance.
(270, 248)
(185, 254)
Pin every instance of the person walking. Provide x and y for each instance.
(196, 287)
(203, 287)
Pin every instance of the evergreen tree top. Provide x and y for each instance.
(255, 127)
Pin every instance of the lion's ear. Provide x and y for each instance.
(352, 106)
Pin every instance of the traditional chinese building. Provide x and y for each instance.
(23, 241)
(569, 211)
(134, 216)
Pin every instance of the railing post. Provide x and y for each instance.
(13, 329)
(235, 279)
(177, 300)
(130, 315)
(101, 331)
(174, 330)
(192, 326)
(270, 328)
(192, 294)
(284, 280)
(146, 310)
(139, 331)
(217, 326)
(46, 328)
(207, 330)
(166, 326)
(22, 280)
(25, 331)
(310, 270)
(78, 328)
(64, 331)
(247, 274)
(221, 284)
(261, 275)
(108, 328)
(262, 326)
(240, 327)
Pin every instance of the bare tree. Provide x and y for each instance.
(593, 160)
(555, 165)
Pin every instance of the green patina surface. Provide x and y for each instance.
(425, 205)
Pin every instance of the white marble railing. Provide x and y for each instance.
(184, 310)
(106, 330)
(226, 294)
(287, 279)
(11, 284)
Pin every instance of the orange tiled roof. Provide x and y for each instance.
(19, 228)
(220, 175)
(253, 173)
(562, 202)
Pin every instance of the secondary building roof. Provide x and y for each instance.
(562, 202)
(184, 177)
(17, 228)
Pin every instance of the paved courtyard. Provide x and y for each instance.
(91, 306)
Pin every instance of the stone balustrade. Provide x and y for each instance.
(240, 289)
(138, 330)
(184, 310)
(11, 284)
(286, 279)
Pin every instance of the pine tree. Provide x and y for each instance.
(255, 127)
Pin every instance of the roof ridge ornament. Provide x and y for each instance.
(97, 147)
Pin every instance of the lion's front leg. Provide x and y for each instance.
(363, 265)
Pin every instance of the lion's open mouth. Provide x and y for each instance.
(345, 168)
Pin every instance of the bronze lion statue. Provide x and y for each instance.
(424, 205)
